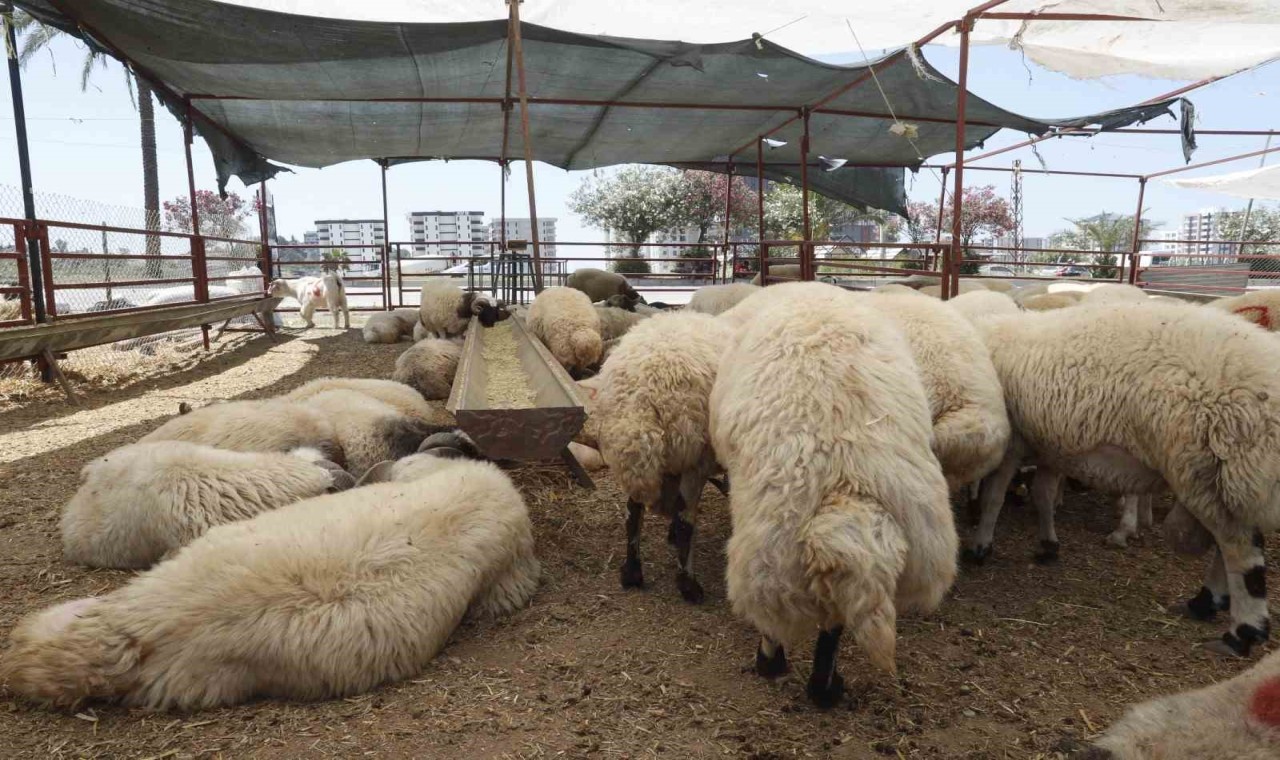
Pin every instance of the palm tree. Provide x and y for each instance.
(36, 37)
(1105, 232)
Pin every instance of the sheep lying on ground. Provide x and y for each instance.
(390, 326)
(970, 426)
(780, 272)
(1237, 719)
(599, 285)
(141, 501)
(615, 322)
(1052, 301)
(270, 425)
(840, 510)
(1198, 413)
(328, 597)
(568, 325)
(979, 304)
(368, 430)
(446, 310)
(406, 400)
(649, 415)
(717, 299)
(429, 367)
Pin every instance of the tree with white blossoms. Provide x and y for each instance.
(634, 202)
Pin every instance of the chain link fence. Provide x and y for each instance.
(105, 258)
(1212, 267)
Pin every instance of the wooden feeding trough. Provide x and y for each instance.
(514, 399)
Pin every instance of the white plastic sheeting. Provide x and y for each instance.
(1185, 39)
(1263, 183)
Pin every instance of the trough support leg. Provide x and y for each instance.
(204, 336)
(578, 471)
(218, 335)
(56, 371)
(267, 324)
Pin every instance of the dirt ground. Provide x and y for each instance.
(1021, 661)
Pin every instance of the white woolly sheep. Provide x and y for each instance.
(599, 285)
(390, 326)
(615, 322)
(717, 299)
(1052, 301)
(270, 425)
(445, 311)
(780, 272)
(1112, 292)
(309, 292)
(1261, 307)
(897, 288)
(405, 399)
(648, 408)
(369, 430)
(1198, 413)
(141, 501)
(979, 304)
(998, 286)
(840, 510)
(428, 366)
(568, 325)
(324, 598)
(966, 404)
(1237, 719)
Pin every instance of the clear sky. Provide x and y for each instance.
(85, 145)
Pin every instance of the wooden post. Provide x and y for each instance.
(1137, 234)
(806, 246)
(517, 51)
(951, 280)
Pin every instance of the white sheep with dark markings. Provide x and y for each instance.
(326, 598)
(141, 501)
(445, 310)
(840, 509)
(369, 430)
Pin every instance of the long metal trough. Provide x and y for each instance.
(539, 433)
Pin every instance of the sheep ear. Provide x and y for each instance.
(466, 308)
(379, 473)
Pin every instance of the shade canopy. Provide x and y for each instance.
(1263, 183)
(313, 92)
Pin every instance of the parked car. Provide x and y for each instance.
(998, 270)
(1071, 271)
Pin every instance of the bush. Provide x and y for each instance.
(631, 266)
(1107, 270)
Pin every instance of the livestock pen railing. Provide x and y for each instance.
(15, 300)
(1211, 267)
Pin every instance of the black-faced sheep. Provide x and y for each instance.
(141, 501)
(1141, 398)
(649, 419)
(324, 598)
(428, 367)
(270, 425)
(568, 325)
(840, 509)
(445, 311)
(369, 430)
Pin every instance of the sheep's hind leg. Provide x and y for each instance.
(771, 658)
(991, 499)
(682, 526)
(1128, 527)
(1213, 595)
(632, 574)
(1046, 493)
(1246, 566)
(826, 687)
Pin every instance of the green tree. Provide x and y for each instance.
(1263, 233)
(1106, 233)
(35, 37)
(634, 202)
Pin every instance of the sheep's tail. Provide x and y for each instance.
(68, 653)
(853, 553)
(969, 444)
(634, 447)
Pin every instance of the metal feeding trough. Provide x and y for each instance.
(547, 412)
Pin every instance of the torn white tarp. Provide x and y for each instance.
(1184, 39)
(1263, 184)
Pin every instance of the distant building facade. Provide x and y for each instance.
(450, 235)
(522, 229)
(350, 236)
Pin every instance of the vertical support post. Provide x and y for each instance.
(199, 268)
(760, 203)
(951, 280)
(806, 246)
(386, 243)
(264, 230)
(502, 195)
(717, 272)
(517, 51)
(1137, 233)
(34, 251)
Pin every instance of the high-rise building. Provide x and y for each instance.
(522, 229)
(351, 236)
(449, 235)
(1206, 224)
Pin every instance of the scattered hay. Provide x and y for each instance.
(508, 385)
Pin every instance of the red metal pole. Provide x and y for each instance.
(1137, 234)
(806, 247)
(760, 203)
(517, 52)
(386, 244)
(952, 277)
(200, 270)
(718, 271)
(264, 232)
(1226, 160)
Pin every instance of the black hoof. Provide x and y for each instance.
(1199, 607)
(721, 485)
(632, 575)
(689, 588)
(1240, 642)
(976, 555)
(827, 695)
(771, 667)
(1048, 553)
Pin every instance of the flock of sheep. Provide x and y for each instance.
(840, 423)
